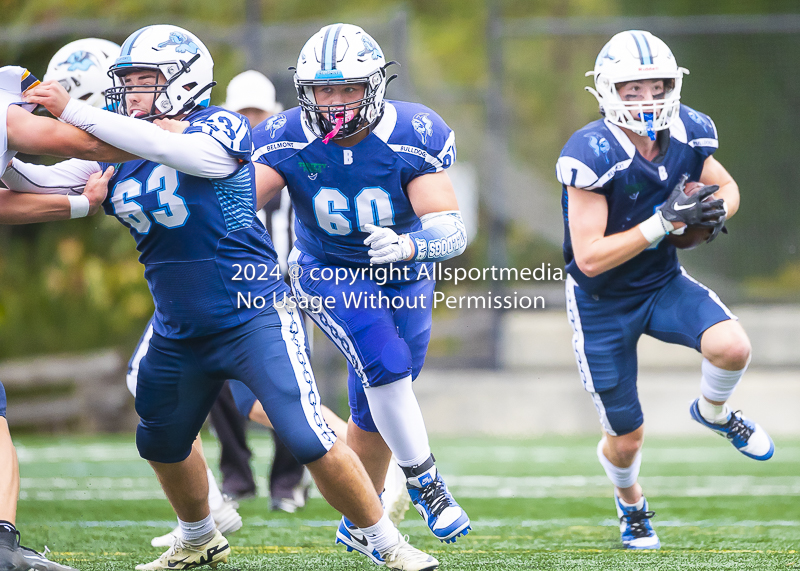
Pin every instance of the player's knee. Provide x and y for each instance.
(162, 446)
(396, 357)
(625, 448)
(737, 354)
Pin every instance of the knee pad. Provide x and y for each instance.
(165, 446)
(396, 357)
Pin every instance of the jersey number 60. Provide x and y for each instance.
(373, 206)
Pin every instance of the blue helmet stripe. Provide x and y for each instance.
(645, 55)
(128, 45)
(329, 46)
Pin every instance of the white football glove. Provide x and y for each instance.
(386, 246)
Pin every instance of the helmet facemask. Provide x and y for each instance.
(162, 105)
(644, 118)
(351, 118)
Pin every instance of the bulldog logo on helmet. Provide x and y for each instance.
(182, 41)
(369, 49)
(80, 60)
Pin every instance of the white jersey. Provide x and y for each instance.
(14, 81)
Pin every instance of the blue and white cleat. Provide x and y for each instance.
(349, 535)
(445, 518)
(635, 527)
(745, 435)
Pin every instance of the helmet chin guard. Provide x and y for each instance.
(341, 54)
(630, 56)
(180, 57)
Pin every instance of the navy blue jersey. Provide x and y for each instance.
(206, 254)
(336, 190)
(601, 158)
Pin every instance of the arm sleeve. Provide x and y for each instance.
(443, 236)
(66, 177)
(195, 153)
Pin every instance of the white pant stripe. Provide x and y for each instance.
(294, 338)
(577, 335)
(141, 350)
(711, 294)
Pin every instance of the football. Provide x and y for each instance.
(693, 236)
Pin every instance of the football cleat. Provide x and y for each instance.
(183, 556)
(225, 517)
(405, 557)
(16, 557)
(745, 435)
(635, 527)
(395, 496)
(445, 518)
(349, 535)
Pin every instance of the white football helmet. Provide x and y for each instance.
(341, 54)
(82, 68)
(634, 55)
(179, 55)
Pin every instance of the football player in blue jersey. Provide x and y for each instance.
(367, 180)
(623, 178)
(24, 132)
(189, 204)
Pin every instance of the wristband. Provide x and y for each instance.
(655, 227)
(78, 206)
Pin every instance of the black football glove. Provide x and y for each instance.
(718, 227)
(691, 210)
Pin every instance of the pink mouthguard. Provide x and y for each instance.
(336, 127)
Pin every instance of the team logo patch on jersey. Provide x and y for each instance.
(312, 169)
(275, 124)
(369, 49)
(698, 119)
(181, 41)
(79, 60)
(599, 146)
(423, 126)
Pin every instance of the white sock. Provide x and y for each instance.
(383, 535)
(620, 477)
(197, 533)
(215, 499)
(714, 413)
(718, 384)
(397, 415)
(638, 505)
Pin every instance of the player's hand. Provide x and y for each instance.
(51, 94)
(680, 209)
(172, 125)
(96, 189)
(718, 227)
(386, 246)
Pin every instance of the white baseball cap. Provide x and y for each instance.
(251, 89)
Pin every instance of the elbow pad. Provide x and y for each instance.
(443, 236)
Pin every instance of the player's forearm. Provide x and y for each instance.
(35, 135)
(606, 253)
(21, 208)
(67, 177)
(729, 192)
(195, 154)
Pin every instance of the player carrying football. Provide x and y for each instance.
(623, 179)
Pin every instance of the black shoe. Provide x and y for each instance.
(15, 557)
